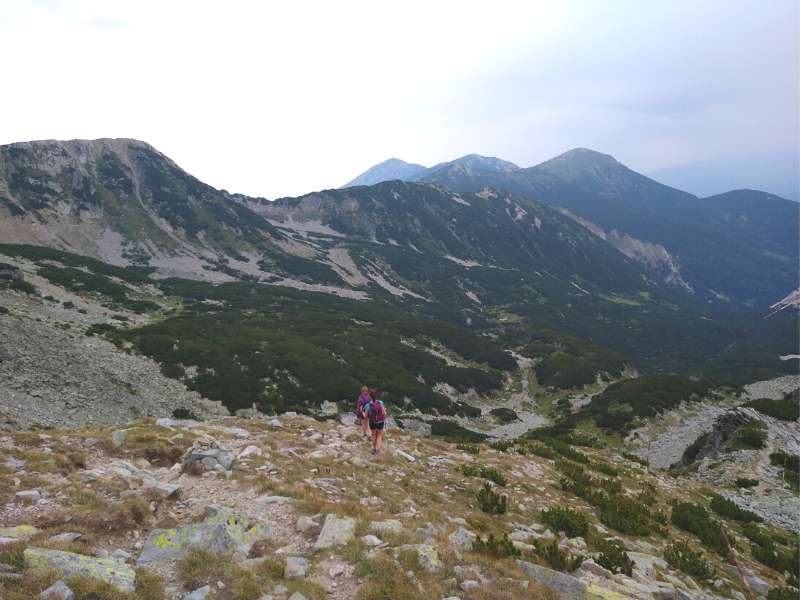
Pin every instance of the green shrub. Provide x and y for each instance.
(786, 409)
(625, 514)
(730, 510)
(502, 445)
(604, 467)
(497, 547)
(790, 465)
(469, 448)
(566, 450)
(783, 593)
(636, 458)
(696, 520)
(454, 431)
(571, 522)
(504, 415)
(752, 435)
(681, 556)
(544, 452)
(614, 558)
(555, 557)
(744, 482)
(492, 502)
(489, 473)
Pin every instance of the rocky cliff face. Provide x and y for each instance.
(122, 201)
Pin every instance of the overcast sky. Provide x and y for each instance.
(282, 98)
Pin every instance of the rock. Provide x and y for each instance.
(371, 541)
(427, 533)
(305, 523)
(68, 564)
(519, 536)
(166, 490)
(647, 564)
(336, 571)
(121, 555)
(468, 585)
(335, 532)
(389, 525)
(250, 451)
(576, 545)
(273, 499)
(427, 556)
(296, 567)
(20, 532)
(58, 591)
(65, 537)
(297, 596)
(31, 496)
(118, 437)
(452, 598)
(275, 423)
(348, 419)
(589, 567)
(461, 539)
(199, 593)
(206, 452)
(405, 455)
(560, 584)
(223, 533)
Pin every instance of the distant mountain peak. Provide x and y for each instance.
(392, 168)
(474, 162)
(583, 158)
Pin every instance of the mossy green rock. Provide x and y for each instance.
(67, 564)
(20, 532)
(223, 533)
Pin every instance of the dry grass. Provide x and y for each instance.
(387, 580)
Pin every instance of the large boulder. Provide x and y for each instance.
(461, 539)
(335, 532)
(561, 584)
(222, 533)
(427, 556)
(68, 564)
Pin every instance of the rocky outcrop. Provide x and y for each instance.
(220, 534)
(68, 564)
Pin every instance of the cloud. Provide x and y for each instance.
(279, 99)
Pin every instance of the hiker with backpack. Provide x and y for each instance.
(375, 412)
(363, 399)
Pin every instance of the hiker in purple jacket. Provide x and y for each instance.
(362, 401)
(375, 411)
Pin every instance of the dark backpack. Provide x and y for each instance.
(376, 411)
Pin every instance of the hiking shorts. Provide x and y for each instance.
(376, 426)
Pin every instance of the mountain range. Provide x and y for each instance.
(583, 266)
(713, 247)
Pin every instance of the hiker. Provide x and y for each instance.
(361, 420)
(375, 411)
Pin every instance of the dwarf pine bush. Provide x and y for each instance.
(680, 555)
(614, 558)
(491, 502)
(571, 522)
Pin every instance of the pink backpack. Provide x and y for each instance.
(376, 411)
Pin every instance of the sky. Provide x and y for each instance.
(282, 98)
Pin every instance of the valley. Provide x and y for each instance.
(599, 339)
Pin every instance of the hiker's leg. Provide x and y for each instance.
(379, 440)
(375, 433)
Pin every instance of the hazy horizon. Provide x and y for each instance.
(279, 101)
